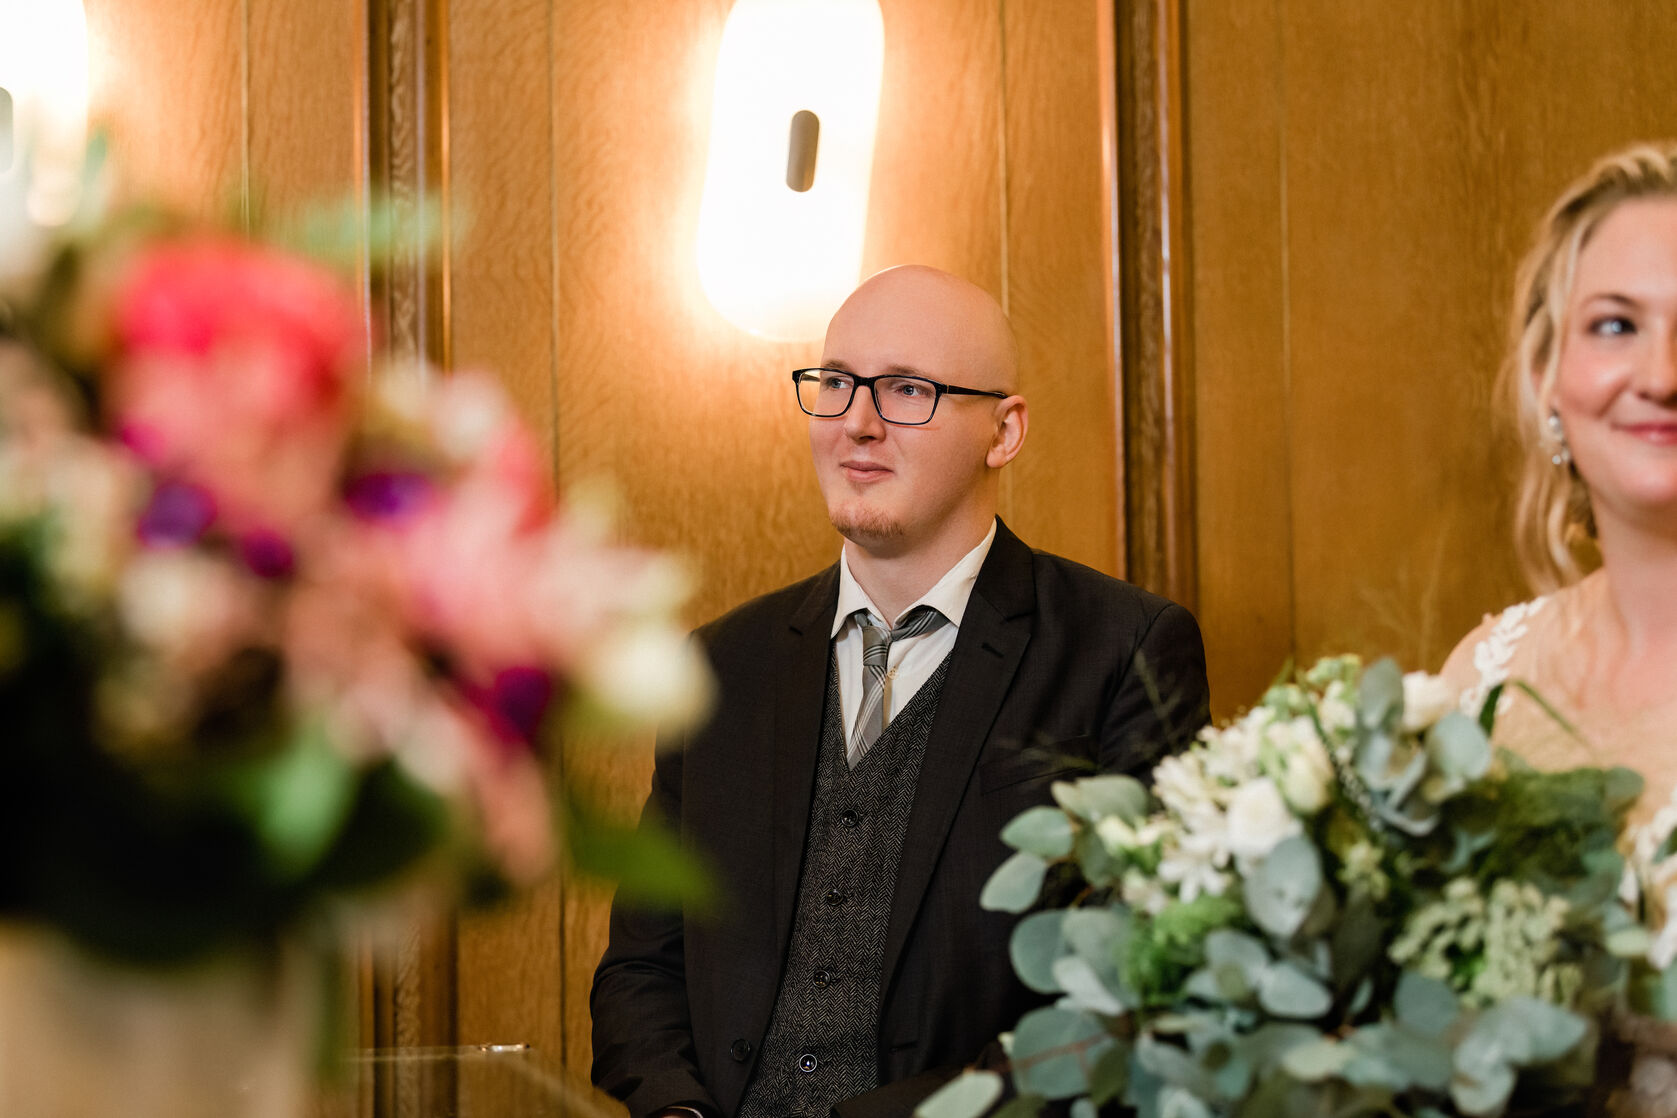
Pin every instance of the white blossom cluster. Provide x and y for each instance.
(1492, 948)
(1650, 877)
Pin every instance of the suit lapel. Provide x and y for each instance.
(994, 632)
(795, 738)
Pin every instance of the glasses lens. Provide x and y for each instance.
(822, 392)
(905, 399)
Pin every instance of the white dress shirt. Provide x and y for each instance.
(911, 660)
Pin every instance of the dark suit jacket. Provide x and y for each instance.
(1057, 670)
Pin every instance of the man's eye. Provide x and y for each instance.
(835, 383)
(910, 389)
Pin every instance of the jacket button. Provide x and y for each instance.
(835, 898)
(807, 1062)
(822, 977)
(740, 1050)
(851, 819)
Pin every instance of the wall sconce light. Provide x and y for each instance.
(791, 154)
(43, 104)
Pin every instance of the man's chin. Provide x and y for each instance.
(868, 528)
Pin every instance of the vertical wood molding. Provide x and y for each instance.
(1153, 312)
(412, 991)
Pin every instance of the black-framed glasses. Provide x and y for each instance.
(907, 401)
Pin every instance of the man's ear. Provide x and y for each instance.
(1013, 419)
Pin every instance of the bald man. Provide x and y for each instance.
(878, 725)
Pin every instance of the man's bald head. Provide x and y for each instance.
(927, 490)
(926, 313)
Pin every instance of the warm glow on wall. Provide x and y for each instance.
(43, 102)
(791, 152)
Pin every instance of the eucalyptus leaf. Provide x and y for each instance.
(1021, 1106)
(1265, 1047)
(1172, 1065)
(1044, 831)
(1093, 933)
(1321, 1059)
(296, 799)
(1483, 1092)
(1380, 696)
(966, 1096)
(1282, 889)
(1459, 752)
(1034, 946)
(1015, 884)
(1083, 1108)
(1285, 990)
(1084, 988)
(1111, 1074)
(1052, 1050)
(1425, 1005)
(1227, 947)
(1123, 796)
(1418, 1060)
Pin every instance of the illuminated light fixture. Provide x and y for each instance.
(791, 153)
(43, 104)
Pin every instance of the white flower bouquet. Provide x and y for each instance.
(1345, 902)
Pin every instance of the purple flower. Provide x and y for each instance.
(178, 514)
(514, 703)
(268, 554)
(388, 494)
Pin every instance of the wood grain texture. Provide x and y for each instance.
(1058, 274)
(1364, 179)
(307, 101)
(167, 81)
(1234, 191)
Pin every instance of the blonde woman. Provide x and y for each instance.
(1591, 382)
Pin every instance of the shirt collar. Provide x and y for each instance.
(948, 597)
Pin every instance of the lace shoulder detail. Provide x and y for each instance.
(1493, 654)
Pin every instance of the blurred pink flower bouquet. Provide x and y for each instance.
(278, 626)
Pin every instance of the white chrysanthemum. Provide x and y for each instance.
(1337, 709)
(1194, 864)
(1181, 783)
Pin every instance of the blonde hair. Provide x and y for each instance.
(1552, 511)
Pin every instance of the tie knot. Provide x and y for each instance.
(920, 619)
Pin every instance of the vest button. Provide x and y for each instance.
(835, 898)
(822, 977)
(807, 1062)
(740, 1050)
(851, 819)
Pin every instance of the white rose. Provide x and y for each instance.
(648, 673)
(1259, 819)
(1307, 780)
(1426, 699)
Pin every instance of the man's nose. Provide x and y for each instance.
(862, 421)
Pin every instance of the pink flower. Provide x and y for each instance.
(234, 370)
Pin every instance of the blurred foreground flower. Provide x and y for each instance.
(277, 630)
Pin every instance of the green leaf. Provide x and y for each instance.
(1015, 884)
(966, 1096)
(1123, 796)
(1044, 831)
(1052, 1048)
(1425, 1005)
(1482, 1083)
(1084, 988)
(1380, 698)
(1035, 944)
(1550, 1032)
(1487, 709)
(1460, 754)
(1321, 1059)
(1285, 990)
(1110, 1076)
(1021, 1106)
(1282, 889)
(1094, 934)
(647, 862)
(1226, 947)
(1408, 1059)
(1265, 1047)
(296, 799)
(1082, 1108)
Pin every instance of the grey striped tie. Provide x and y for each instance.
(876, 650)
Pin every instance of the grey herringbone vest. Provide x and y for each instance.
(822, 1044)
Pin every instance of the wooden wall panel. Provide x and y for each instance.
(501, 283)
(167, 80)
(1362, 190)
(1058, 273)
(1243, 518)
(307, 102)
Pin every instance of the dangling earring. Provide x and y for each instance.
(1562, 455)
